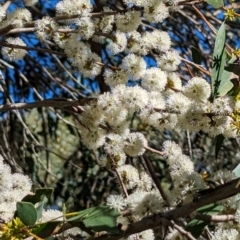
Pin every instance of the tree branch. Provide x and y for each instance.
(205, 197)
(54, 102)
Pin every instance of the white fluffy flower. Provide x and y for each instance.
(113, 78)
(193, 118)
(137, 43)
(178, 102)
(144, 203)
(173, 81)
(108, 101)
(156, 100)
(171, 149)
(93, 139)
(197, 89)
(116, 202)
(169, 61)
(162, 121)
(134, 65)
(12, 53)
(45, 27)
(154, 79)
(19, 17)
(51, 215)
(157, 12)
(78, 51)
(181, 166)
(117, 43)
(60, 38)
(140, 3)
(21, 182)
(105, 24)
(146, 235)
(72, 7)
(114, 144)
(135, 143)
(135, 98)
(223, 234)
(88, 65)
(7, 210)
(222, 105)
(145, 183)
(129, 21)
(129, 176)
(85, 27)
(230, 129)
(159, 40)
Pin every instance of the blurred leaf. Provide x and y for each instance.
(226, 84)
(27, 213)
(196, 226)
(235, 89)
(46, 229)
(98, 219)
(210, 209)
(71, 129)
(219, 59)
(196, 55)
(215, 3)
(39, 195)
(218, 144)
(236, 170)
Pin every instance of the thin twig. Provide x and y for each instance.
(216, 218)
(189, 145)
(121, 183)
(199, 67)
(53, 102)
(155, 179)
(154, 150)
(5, 44)
(188, 235)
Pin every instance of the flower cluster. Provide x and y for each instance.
(13, 187)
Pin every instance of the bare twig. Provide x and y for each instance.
(154, 150)
(5, 44)
(155, 178)
(188, 235)
(215, 218)
(121, 183)
(54, 102)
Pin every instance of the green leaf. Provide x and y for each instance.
(215, 3)
(99, 219)
(196, 55)
(39, 195)
(210, 209)
(236, 170)
(27, 213)
(226, 84)
(39, 208)
(218, 144)
(219, 59)
(196, 226)
(44, 230)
